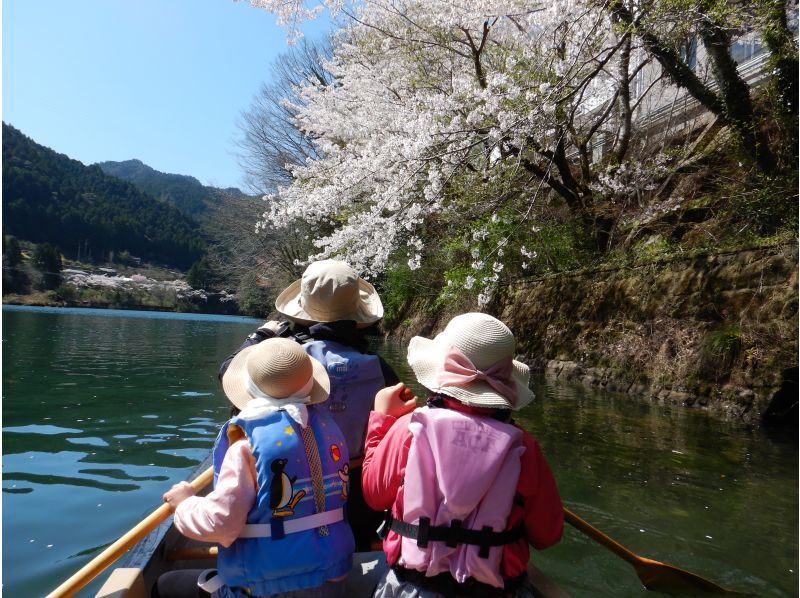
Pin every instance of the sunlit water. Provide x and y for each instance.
(104, 410)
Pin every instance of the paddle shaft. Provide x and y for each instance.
(599, 537)
(99, 563)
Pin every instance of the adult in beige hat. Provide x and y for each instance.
(280, 469)
(458, 471)
(329, 311)
(330, 291)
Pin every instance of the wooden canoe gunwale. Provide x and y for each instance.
(150, 553)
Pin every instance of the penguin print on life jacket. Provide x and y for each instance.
(344, 475)
(282, 498)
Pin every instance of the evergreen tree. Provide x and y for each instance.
(199, 275)
(47, 260)
(11, 252)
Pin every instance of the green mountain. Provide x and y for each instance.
(49, 197)
(186, 193)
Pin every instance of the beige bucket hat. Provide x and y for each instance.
(472, 360)
(276, 368)
(330, 290)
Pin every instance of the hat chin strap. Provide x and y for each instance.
(263, 404)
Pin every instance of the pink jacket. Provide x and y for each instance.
(222, 514)
(539, 506)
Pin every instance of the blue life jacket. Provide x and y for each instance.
(271, 556)
(355, 379)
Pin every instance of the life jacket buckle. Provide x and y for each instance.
(485, 541)
(453, 536)
(385, 526)
(423, 532)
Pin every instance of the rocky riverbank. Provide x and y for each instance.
(716, 330)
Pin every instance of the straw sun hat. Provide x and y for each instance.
(277, 368)
(330, 290)
(472, 360)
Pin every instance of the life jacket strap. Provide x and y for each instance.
(455, 534)
(280, 526)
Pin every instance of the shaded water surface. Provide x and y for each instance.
(104, 410)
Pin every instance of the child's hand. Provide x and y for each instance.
(395, 400)
(178, 493)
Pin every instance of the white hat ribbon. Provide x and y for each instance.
(263, 404)
(458, 370)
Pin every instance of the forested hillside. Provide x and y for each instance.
(225, 217)
(186, 193)
(49, 197)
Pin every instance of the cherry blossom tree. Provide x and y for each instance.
(446, 112)
(464, 131)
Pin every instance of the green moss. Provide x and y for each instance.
(651, 249)
(719, 351)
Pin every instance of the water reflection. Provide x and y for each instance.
(67, 481)
(121, 474)
(672, 484)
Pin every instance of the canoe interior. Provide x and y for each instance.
(160, 552)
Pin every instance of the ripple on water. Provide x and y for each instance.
(90, 440)
(194, 431)
(45, 429)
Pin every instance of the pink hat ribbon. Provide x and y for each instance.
(459, 370)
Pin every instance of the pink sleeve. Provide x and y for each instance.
(385, 456)
(222, 514)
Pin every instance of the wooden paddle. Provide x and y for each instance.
(654, 575)
(99, 563)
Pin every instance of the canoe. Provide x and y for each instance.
(165, 549)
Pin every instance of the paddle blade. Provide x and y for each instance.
(662, 577)
(653, 574)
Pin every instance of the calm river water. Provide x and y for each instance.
(103, 410)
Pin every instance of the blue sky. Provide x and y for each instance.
(163, 81)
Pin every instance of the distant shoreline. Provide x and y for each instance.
(125, 312)
(42, 300)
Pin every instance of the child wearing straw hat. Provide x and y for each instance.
(329, 310)
(280, 469)
(467, 488)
